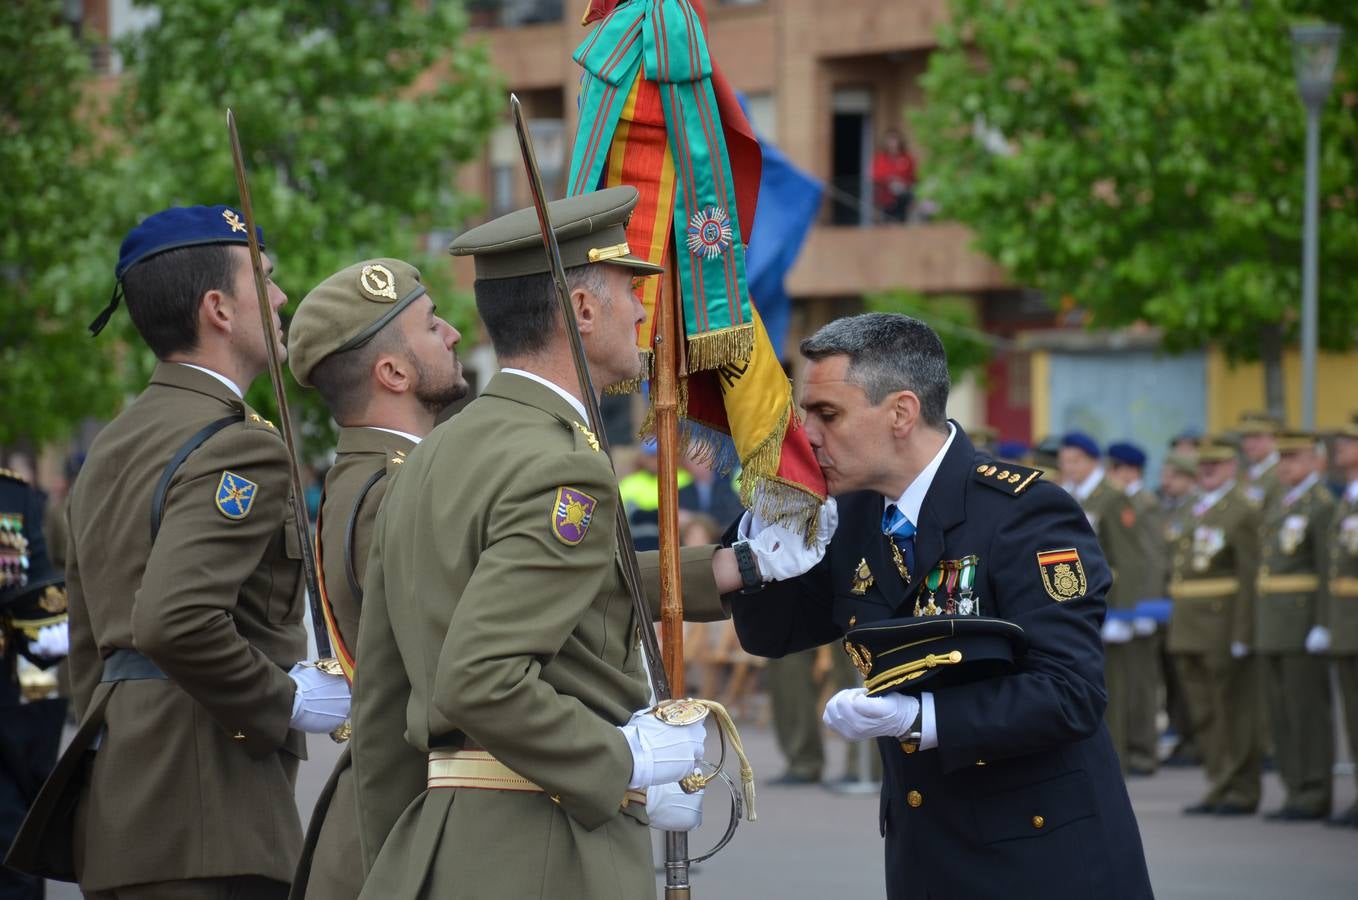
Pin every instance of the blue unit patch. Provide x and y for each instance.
(235, 495)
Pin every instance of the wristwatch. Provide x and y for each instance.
(914, 734)
(749, 570)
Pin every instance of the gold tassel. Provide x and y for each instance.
(632, 385)
(711, 349)
(726, 729)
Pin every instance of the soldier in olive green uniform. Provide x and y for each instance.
(499, 647)
(1178, 493)
(1126, 463)
(1212, 584)
(1113, 519)
(369, 340)
(1293, 558)
(1258, 432)
(1337, 615)
(185, 603)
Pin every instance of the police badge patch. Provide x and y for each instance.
(571, 515)
(1063, 575)
(235, 495)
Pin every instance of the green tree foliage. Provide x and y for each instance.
(1145, 157)
(353, 118)
(55, 230)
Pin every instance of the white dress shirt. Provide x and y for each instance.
(564, 394)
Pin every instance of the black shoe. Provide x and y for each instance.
(1200, 809)
(1344, 820)
(1292, 814)
(1139, 772)
(794, 779)
(1232, 809)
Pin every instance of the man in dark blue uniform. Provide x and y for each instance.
(32, 625)
(1006, 786)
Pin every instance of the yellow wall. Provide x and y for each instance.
(1232, 390)
(1040, 396)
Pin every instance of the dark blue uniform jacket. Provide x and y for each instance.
(1023, 796)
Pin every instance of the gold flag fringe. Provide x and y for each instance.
(632, 385)
(773, 499)
(720, 346)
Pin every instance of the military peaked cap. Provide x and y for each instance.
(590, 228)
(905, 655)
(348, 309)
(1214, 449)
(1296, 441)
(1258, 422)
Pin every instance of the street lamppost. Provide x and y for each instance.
(1315, 50)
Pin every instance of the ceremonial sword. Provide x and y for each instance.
(327, 662)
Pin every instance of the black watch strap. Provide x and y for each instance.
(749, 570)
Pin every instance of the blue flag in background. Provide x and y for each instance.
(788, 201)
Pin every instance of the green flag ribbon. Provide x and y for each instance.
(663, 40)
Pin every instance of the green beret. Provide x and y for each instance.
(347, 309)
(590, 228)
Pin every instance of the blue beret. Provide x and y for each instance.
(1011, 450)
(1081, 441)
(171, 229)
(1128, 453)
(182, 226)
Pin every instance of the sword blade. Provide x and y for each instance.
(298, 499)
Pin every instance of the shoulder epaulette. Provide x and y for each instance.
(1006, 477)
(13, 476)
(258, 421)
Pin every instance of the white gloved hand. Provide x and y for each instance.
(321, 703)
(1239, 649)
(782, 553)
(1116, 631)
(670, 809)
(52, 642)
(661, 754)
(854, 716)
(1144, 626)
(1317, 639)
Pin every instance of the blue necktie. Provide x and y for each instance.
(902, 533)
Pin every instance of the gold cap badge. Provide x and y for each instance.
(377, 281)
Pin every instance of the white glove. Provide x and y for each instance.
(782, 553)
(670, 809)
(1116, 631)
(854, 716)
(321, 703)
(1239, 649)
(1317, 639)
(1144, 626)
(661, 754)
(53, 642)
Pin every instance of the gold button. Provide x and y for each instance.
(238, 736)
(980, 762)
(1038, 821)
(914, 798)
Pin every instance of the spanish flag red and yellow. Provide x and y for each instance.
(656, 113)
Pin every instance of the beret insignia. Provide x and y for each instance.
(378, 282)
(233, 220)
(572, 512)
(1063, 575)
(235, 495)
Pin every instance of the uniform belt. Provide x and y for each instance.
(129, 665)
(478, 769)
(1344, 586)
(1299, 583)
(1204, 587)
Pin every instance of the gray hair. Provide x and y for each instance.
(889, 352)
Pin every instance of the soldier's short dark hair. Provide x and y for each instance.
(889, 352)
(163, 293)
(344, 380)
(521, 314)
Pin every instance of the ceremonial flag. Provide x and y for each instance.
(656, 113)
